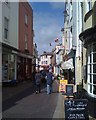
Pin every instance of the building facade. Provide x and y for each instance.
(17, 41)
(9, 40)
(73, 46)
(88, 37)
(25, 42)
(45, 61)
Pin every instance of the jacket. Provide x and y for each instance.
(49, 78)
(38, 78)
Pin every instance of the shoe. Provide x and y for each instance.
(36, 92)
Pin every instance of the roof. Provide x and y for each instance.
(46, 53)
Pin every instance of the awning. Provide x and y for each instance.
(67, 64)
(24, 55)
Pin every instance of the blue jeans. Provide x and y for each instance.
(49, 89)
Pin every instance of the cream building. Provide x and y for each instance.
(88, 36)
(73, 46)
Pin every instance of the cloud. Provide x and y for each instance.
(46, 28)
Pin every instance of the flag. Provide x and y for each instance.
(56, 40)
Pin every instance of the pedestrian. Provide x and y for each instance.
(38, 81)
(33, 77)
(49, 78)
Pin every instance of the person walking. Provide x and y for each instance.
(38, 81)
(33, 78)
(49, 78)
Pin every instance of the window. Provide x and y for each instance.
(91, 74)
(26, 19)
(6, 22)
(26, 41)
(89, 6)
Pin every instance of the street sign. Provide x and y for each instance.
(76, 109)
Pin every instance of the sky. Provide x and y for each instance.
(48, 19)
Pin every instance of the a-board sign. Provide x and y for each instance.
(76, 109)
(69, 89)
(62, 85)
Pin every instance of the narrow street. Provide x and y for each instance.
(27, 104)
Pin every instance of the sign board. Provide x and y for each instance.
(62, 85)
(76, 109)
(69, 89)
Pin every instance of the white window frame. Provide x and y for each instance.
(26, 41)
(90, 72)
(26, 19)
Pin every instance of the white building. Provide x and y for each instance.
(45, 61)
(9, 39)
(0, 42)
(72, 28)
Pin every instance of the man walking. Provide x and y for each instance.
(49, 78)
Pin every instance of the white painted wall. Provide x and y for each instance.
(0, 41)
(0, 21)
(11, 12)
(42, 58)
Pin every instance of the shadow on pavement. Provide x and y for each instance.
(6, 104)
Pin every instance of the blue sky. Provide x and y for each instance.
(48, 20)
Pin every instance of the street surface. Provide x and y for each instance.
(27, 104)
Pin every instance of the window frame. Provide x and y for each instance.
(26, 19)
(26, 41)
(90, 72)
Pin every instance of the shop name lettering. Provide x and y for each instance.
(76, 116)
(73, 104)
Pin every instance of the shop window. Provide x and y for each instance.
(8, 67)
(94, 57)
(91, 74)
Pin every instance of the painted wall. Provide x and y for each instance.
(10, 11)
(0, 21)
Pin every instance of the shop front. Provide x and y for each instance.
(24, 67)
(8, 65)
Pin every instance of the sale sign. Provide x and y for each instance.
(62, 85)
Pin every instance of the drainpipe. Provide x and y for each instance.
(74, 66)
(82, 43)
